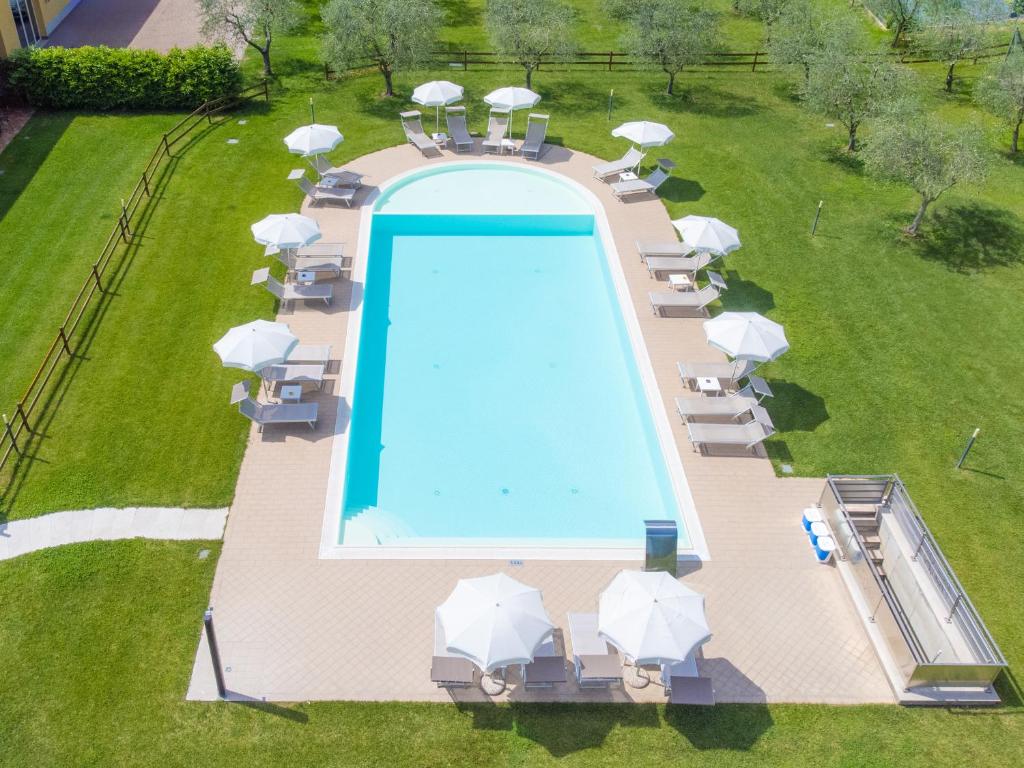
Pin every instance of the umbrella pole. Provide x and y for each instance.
(437, 119)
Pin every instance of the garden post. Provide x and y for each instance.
(24, 417)
(10, 434)
(64, 340)
(211, 640)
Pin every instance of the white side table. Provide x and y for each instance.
(441, 139)
(291, 393)
(508, 144)
(628, 176)
(709, 385)
(305, 278)
(680, 282)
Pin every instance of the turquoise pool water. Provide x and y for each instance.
(497, 399)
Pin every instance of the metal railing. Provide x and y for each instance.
(16, 429)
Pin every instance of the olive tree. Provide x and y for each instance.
(850, 86)
(954, 37)
(768, 12)
(1001, 91)
(671, 35)
(803, 32)
(390, 34)
(530, 31)
(900, 16)
(927, 155)
(253, 22)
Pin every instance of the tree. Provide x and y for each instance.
(624, 10)
(254, 22)
(670, 35)
(803, 32)
(851, 86)
(768, 12)
(530, 31)
(391, 34)
(927, 155)
(901, 16)
(1001, 91)
(954, 37)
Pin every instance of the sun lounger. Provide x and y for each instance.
(726, 372)
(447, 669)
(597, 664)
(341, 176)
(536, 131)
(673, 248)
(332, 266)
(310, 353)
(327, 194)
(321, 249)
(648, 186)
(684, 685)
(456, 119)
(293, 373)
(747, 435)
(291, 291)
(497, 128)
(414, 133)
(625, 163)
(272, 413)
(676, 264)
(546, 669)
(732, 406)
(689, 300)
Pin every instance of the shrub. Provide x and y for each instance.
(102, 78)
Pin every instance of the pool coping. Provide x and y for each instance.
(331, 549)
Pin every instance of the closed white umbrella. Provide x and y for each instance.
(645, 134)
(512, 98)
(494, 621)
(708, 234)
(437, 94)
(313, 139)
(746, 336)
(652, 618)
(255, 345)
(286, 230)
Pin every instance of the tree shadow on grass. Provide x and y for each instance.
(840, 157)
(707, 101)
(972, 238)
(571, 96)
(743, 295)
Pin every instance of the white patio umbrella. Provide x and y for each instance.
(651, 617)
(645, 134)
(494, 621)
(706, 233)
(286, 230)
(746, 336)
(255, 345)
(437, 94)
(512, 98)
(313, 139)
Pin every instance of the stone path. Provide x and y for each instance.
(22, 536)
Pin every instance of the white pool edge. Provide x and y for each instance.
(330, 549)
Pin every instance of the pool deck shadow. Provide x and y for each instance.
(294, 627)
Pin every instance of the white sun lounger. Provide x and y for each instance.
(675, 264)
(497, 128)
(669, 248)
(648, 186)
(291, 291)
(747, 435)
(327, 194)
(415, 135)
(320, 249)
(342, 176)
(536, 131)
(625, 163)
(456, 119)
(597, 663)
(694, 301)
(733, 406)
(310, 353)
(727, 372)
(294, 373)
(272, 413)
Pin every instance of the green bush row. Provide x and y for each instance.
(102, 78)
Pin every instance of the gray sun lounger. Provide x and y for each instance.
(675, 264)
(415, 135)
(272, 413)
(327, 194)
(547, 668)
(731, 407)
(684, 685)
(321, 249)
(729, 373)
(310, 353)
(456, 119)
(536, 131)
(497, 128)
(747, 435)
(695, 301)
(447, 669)
(597, 663)
(291, 291)
(344, 177)
(648, 186)
(294, 373)
(627, 162)
(648, 248)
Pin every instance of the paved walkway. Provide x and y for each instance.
(157, 24)
(23, 536)
(293, 627)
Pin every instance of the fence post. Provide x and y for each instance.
(611, 59)
(465, 60)
(145, 184)
(167, 147)
(753, 68)
(126, 231)
(10, 434)
(24, 417)
(96, 277)
(64, 341)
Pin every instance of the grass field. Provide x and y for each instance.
(900, 349)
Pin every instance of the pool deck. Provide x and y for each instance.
(293, 627)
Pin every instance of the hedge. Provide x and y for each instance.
(102, 78)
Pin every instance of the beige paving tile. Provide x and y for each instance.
(294, 627)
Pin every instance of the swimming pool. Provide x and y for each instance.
(497, 399)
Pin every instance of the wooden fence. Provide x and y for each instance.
(15, 426)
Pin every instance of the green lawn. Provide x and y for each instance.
(899, 350)
(98, 642)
